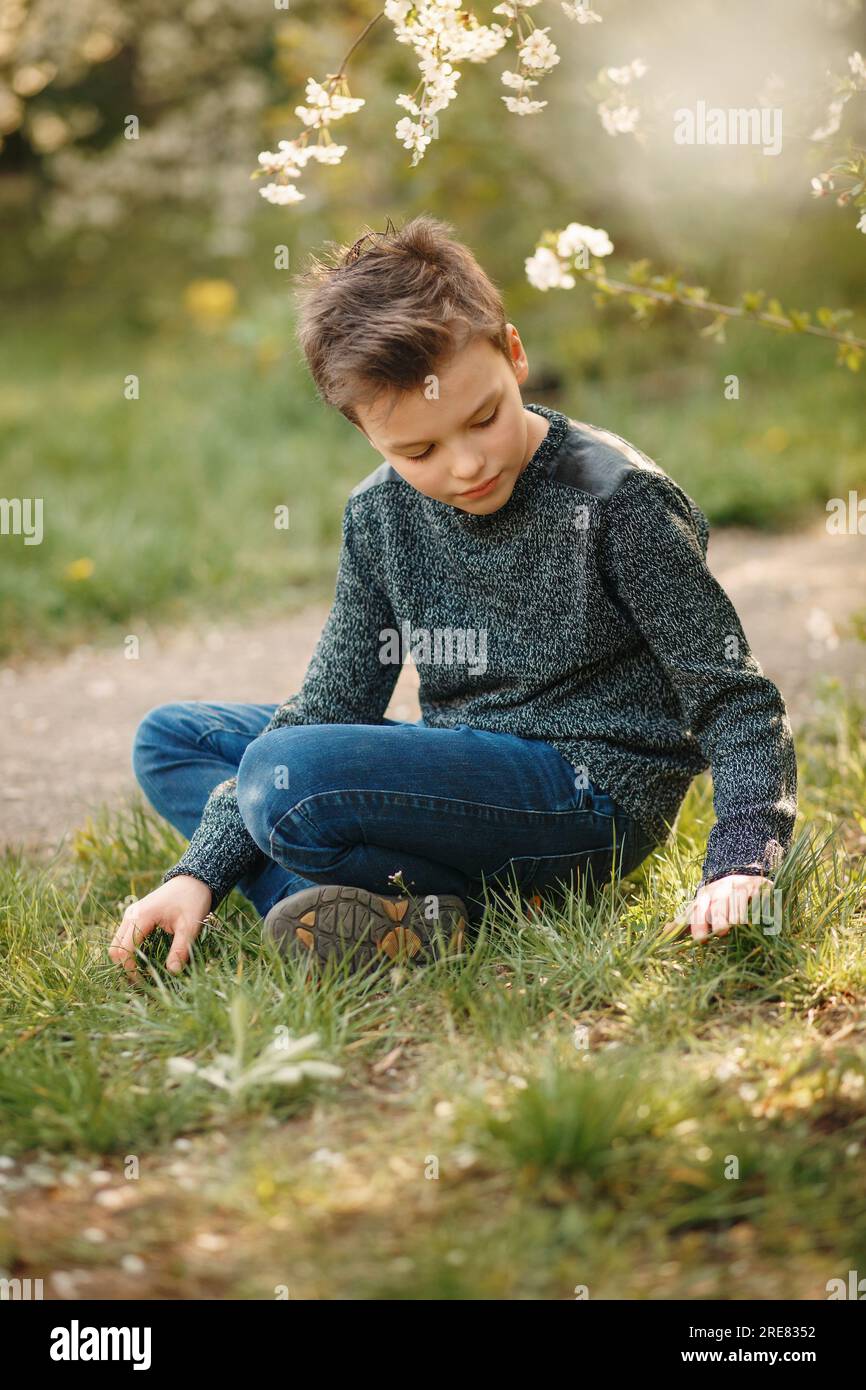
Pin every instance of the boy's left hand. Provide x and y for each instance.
(720, 905)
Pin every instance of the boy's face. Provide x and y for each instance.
(466, 430)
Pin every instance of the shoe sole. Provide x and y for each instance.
(338, 923)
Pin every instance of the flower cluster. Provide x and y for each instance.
(615, 113)
(441, 35)
(537, 54)
(580, 12)
(852, 168)
(560, 252)
(326, 103)
(846, 88)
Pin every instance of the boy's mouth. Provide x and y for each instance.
(483, 488)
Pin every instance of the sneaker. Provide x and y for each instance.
(336, 922)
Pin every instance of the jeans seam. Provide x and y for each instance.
(213, 729)
(297, 812)
(431, 802)
(416, 800)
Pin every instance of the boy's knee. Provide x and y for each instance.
(259, 775)
(154, 731)
(278, 770)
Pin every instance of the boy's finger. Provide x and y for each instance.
(119, 948)
(178, 956)
(740, 899)
(118, 941)
(130, 937)
(719, 919)
(699, 921)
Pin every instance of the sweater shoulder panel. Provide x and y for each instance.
(383, 474)
(597, 461)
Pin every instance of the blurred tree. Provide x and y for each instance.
(114, 106)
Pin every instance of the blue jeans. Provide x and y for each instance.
(455, 809)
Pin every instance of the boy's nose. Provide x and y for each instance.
(468, 471)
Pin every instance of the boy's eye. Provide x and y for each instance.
(482, 424)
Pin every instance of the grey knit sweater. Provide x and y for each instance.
(582, 613)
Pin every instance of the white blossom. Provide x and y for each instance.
(616, 115)
(524, 106)
(511, 8)
(538, 52)
(549, 269)
(622, 76)
(580, 12)
(833, 120)
(412, 134)
(397, 10)
(515, 79)
(576, 235)
(618, 119)
(328, 154)
(281, 193)
(821, 185)
(544, 271)
(325, 106)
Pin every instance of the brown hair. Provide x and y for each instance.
(382, 316)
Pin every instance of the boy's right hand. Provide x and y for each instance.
(178, 906)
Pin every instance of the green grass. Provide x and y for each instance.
(577, 1102)
(162, 509)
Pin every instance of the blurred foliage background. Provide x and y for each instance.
(156, 257)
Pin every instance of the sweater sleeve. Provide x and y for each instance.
(653, 548)
(345, 683)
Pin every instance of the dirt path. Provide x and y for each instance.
(68, 725)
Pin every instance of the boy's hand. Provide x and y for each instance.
(720, 905)
(178, 906)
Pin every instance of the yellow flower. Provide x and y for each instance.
(80, 569)
(776, 439)
(210, 302)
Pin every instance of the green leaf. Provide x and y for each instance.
(638, 271)
(752, 300)
(850, 355)
(715, 329)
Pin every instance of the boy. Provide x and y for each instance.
(578, 663)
